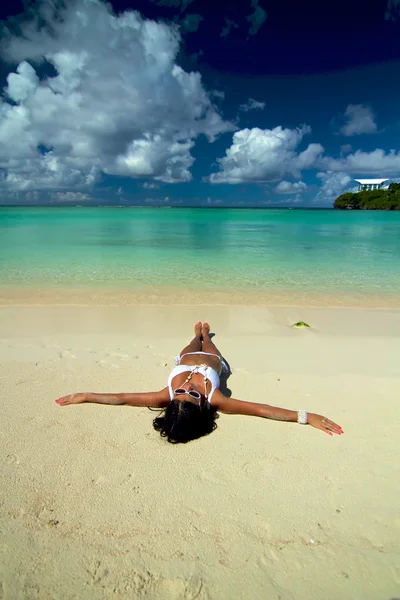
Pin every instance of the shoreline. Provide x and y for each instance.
(52, 296)
(338, 340)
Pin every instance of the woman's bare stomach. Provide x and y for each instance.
(202, 359)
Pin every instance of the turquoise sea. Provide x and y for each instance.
(226, 249)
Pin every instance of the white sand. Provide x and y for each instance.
(94, 504)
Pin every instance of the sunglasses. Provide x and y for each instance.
(192, 393)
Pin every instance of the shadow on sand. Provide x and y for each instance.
(223, 378)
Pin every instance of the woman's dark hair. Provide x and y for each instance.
(184, 421)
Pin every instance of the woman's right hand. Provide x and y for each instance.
(324, 424)
(71, 399)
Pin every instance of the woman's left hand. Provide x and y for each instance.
(71, 399)
(324, 424)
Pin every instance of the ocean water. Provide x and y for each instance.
(210, 249)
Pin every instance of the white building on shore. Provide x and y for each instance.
(371, 184)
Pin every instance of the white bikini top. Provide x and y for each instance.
(207, 372)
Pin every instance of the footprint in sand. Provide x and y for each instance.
(106, 365)
(216, 477)
(145, 584)
(12, 459)
(114, 480)
(181, 589)
(119, 356)
(66, 354)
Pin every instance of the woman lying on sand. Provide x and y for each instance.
(192, 398)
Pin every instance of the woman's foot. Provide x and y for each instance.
(205, 330)
(198, 329)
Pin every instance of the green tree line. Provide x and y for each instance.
(371, 200)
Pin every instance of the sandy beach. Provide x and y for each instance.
(94, 504)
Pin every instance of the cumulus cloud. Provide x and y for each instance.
(257, 17)
(252, 105)
(288, 187)
(359, 119)
(375, 163)
(16, 198)
(117, 103)
(261, 155)
(33, 196)
(334, 184)
(44, 197)
(148, 185)
(71, 197)
(283, 201)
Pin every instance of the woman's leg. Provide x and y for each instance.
(208, 345)
(196, 343)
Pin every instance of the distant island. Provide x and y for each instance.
(379, 199)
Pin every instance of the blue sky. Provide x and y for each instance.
(188, 102)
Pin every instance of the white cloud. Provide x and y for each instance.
(334, 184)
(33, 196)
(118, 104)
(70, 197)
(376, 163)
(257, 17)
(18, 198)
(284, 201)
(160, 201)
(218, 94)
(153, 155)
(260, 155)
(252, 105)
(148, 185)
(359, 119)
(288, 187)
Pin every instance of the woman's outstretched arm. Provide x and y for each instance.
(240, 407)
(153, 399)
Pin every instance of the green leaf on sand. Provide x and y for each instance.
(300, 324)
